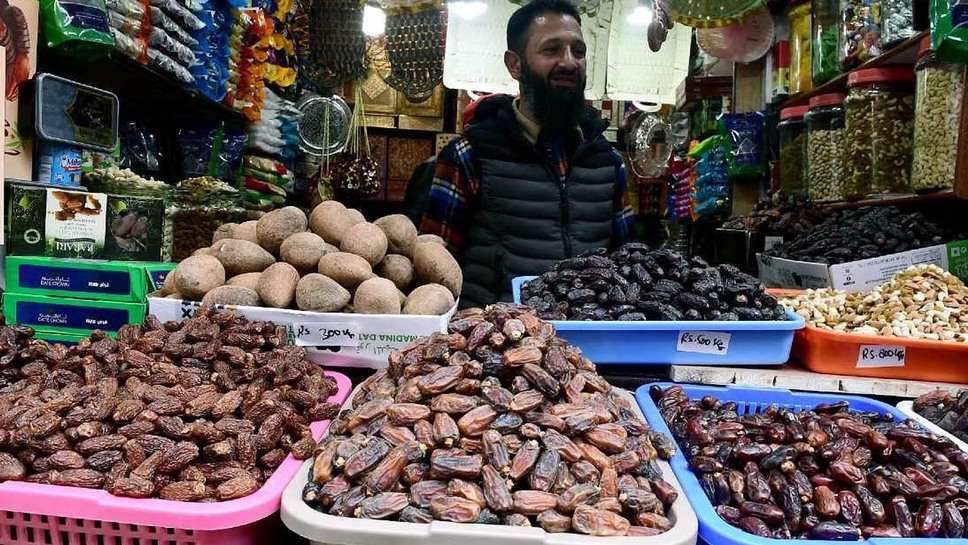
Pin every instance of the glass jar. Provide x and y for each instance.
(825, 37)
(198, 206)
(826, 132)
(940, 90)
(880, 131)
(860, 37)
(898, 21)
(793, 148)
(801, 80)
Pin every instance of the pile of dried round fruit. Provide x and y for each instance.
(200, 410)
(635, 283)
(498, 422)
(827, 473)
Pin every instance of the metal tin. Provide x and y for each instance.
(76, 114)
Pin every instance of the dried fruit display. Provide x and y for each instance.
(947, 410)
(870, 231)
(200, 410)
(497, 422)
(787, 215)
(828, 473)
(636, 283)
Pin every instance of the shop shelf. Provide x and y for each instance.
(40, 514)
(824, 351)
(907, 407)
(320, 528)
(714, 529)
(656, 343)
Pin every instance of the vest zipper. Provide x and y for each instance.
(565, 215)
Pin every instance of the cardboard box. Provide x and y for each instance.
(78, 278)
(18, 151)
(156, 274)
(332, 339)
(57, 222)
(68, 339)
(66, 315)
(862, 275)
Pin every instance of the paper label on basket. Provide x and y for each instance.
(770, 241)
(880, 355)
(704, 342)
(326, 334)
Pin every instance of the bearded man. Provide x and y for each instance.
(532, 180)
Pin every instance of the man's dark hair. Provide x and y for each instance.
(522, 18)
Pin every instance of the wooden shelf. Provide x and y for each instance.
(905, 52)
(794, 377)
(943, 195)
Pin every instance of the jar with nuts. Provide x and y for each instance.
(793, 142)
(826, 137)
(880, 131)
(898, 21)
(940, 90)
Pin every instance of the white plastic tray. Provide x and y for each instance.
(320, 528)
(907, 407)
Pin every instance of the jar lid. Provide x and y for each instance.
(902, 74)
(925, 46)
(795, 112)
(829, 99)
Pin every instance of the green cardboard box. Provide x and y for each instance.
(78, 278)
(67, 315)
(54, 336)
(156, 274)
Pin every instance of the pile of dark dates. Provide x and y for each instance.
(949, 412)
(636, 283)
(497, 422)
(827, 473)
(863, 233)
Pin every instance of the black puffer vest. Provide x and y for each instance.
(526, 219)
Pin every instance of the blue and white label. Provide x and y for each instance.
(76, 317)
(69, 279)
(704, 342)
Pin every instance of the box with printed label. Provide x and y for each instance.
(332, 339)
(862, 275)
(78, 278)
(70, 315)
(53, 336)
(156, 274)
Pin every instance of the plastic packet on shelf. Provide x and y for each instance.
(125, 23)
(160, 19)
(135, 48)
(159, 60)
(177, 11)
(949, 30)
(128, 8)
(75, 23)
(170, 46)
(743, 134)
(264, 164)
(193, 5)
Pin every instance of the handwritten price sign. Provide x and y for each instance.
(704, 342)
(326, 334)
(880, 355)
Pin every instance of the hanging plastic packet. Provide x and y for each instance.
(77, 24)
(949, 30)
(743, 134)
(180, 13)
(711, 187)
(127, 8)
(135, 48)
(160, 19)
(159, 60)
(211, 152)
(140, 151)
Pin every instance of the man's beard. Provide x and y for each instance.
(555, 108)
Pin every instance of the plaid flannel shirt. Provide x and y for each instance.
(457, 185)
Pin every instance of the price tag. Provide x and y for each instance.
(326, 334)
(770, 241)
(704, 342)
(880, 355)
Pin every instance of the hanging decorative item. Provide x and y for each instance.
(353, 174)
(324, 125)
(710, 13)
(741, 42)
(414, 45)
(660, 25)
(649, 142)
(337, 44)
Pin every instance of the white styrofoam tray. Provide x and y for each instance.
(320, 528)
(907, 407)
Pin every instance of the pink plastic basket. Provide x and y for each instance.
(40, 514)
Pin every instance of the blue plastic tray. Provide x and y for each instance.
(714, 529)
(655, 343)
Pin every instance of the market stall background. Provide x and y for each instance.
(799, 177)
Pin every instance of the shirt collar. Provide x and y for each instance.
(531, 129)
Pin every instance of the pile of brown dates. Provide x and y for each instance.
(636, 283)
(497, 422)
(946, 410)
(828, 473)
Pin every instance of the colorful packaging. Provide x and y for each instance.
(79, 278)
(78, 22)
(949, 30)
(743, 135)
(65, 315)
(21, 18)
(59, 164)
